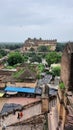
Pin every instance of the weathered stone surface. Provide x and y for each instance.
(67, 66)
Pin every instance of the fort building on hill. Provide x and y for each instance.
(35, 43)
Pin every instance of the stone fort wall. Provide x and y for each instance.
(67, 66)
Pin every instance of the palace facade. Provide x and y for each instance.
(35, 43)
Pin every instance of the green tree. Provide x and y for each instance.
(3, 52)
(14, 58)
(10, 45)
(42, 49)
(25, 57)
(56, 71)
(36, 58)
(31, 54)
(41, 67)
(31, 49)
(53, 57)
(60, 47)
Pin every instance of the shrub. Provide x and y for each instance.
(61, 85)
(15, 58)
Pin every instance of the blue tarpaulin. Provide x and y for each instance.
(18, 89)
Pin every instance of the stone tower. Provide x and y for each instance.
(67, 66)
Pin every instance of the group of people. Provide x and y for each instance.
(20, 115)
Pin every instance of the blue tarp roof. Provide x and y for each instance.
(18, 89)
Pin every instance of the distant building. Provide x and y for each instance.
(35, 43)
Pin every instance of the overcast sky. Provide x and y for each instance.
(48, 19)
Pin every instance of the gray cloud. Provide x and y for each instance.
(20, 19)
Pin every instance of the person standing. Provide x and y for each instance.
(18, 116)
(21, 114)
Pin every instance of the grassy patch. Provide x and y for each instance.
(17, 74)
(10, 67)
